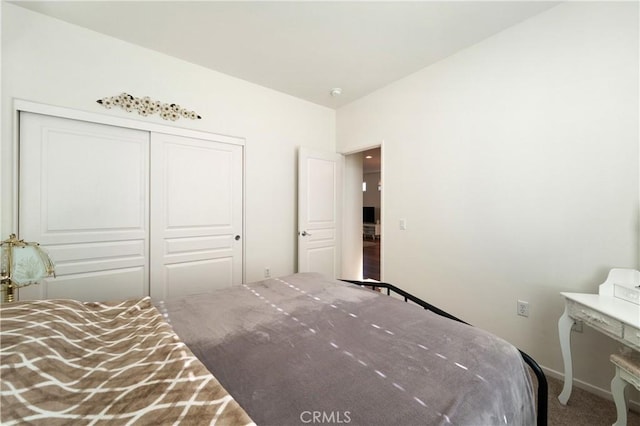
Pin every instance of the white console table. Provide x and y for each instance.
(611, 312)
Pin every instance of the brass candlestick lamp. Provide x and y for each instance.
(22, 264)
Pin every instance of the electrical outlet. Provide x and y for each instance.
(267, 272)
(523, 308)
(577, 326)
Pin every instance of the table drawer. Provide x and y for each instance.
(595, 319)
(632, 335)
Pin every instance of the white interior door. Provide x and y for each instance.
(84, 197)
(196, 215)
(319, 207)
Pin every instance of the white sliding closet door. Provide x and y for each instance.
(196, 215)
(84, 196)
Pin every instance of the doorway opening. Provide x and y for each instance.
(371, 213)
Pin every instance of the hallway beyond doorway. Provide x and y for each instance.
(371, 259)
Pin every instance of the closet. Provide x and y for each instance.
(128, 212)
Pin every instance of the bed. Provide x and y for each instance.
(67, 362)
(300, 349)
(306, 349)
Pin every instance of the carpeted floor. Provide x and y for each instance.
(583, 408)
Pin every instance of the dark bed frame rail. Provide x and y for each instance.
(543, 388)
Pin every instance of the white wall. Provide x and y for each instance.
(515, 164)
(48, 61)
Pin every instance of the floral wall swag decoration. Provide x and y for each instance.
(145, 106)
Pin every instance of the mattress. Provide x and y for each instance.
(305, 349)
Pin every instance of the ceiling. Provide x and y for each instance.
(303, 48)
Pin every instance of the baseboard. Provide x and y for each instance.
(604, 393)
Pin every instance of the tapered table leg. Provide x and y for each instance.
(564, 332)
(617, 390)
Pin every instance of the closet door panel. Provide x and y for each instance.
(84, 197)
(196, 215)
(199, 186)
(193, 276)
(89, 257)
(109, 285)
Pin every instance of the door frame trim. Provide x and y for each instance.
(383, 212)
(22, 105)
(74, 114)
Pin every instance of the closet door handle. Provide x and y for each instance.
(237, 238)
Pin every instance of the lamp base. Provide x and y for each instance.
(9, 290)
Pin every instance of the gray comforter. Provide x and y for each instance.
(303, 349)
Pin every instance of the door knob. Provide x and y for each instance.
(237, 238)
(305, 233)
